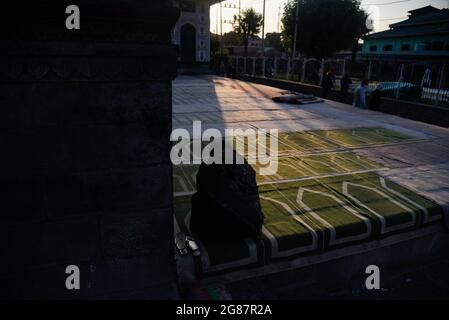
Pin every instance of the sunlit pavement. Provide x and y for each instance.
(225, 103)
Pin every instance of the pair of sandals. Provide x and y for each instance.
(185, 243)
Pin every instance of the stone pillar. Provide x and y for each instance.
(303, 71)
(263, 66)
(370, 66)
(244, 64)
(236, 64)
(254, 67)
(321, 72)
(86, 176)
(275, 72)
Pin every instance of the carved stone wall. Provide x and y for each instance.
(85, 175)
(200, 19)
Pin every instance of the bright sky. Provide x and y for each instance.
(384, 12)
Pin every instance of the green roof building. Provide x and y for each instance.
(425, 34)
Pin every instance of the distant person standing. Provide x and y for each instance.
(360, 95)
(345, 82)
(326, 84)
(374, 100)
(332, 76)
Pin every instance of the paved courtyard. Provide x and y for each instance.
(221, 103)
(347, 177)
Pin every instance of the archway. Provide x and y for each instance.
(188, 43)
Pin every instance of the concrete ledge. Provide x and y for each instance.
(415, 111)
(337, 267)
(289, 85)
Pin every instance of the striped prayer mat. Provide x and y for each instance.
(321, 198)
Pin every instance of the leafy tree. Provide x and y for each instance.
(273, 40)
(214, 44)
(231, 38)
(247, 25)
(324, 26)
(362, 31)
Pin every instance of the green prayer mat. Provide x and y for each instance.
(319, 199)
(289, 167)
